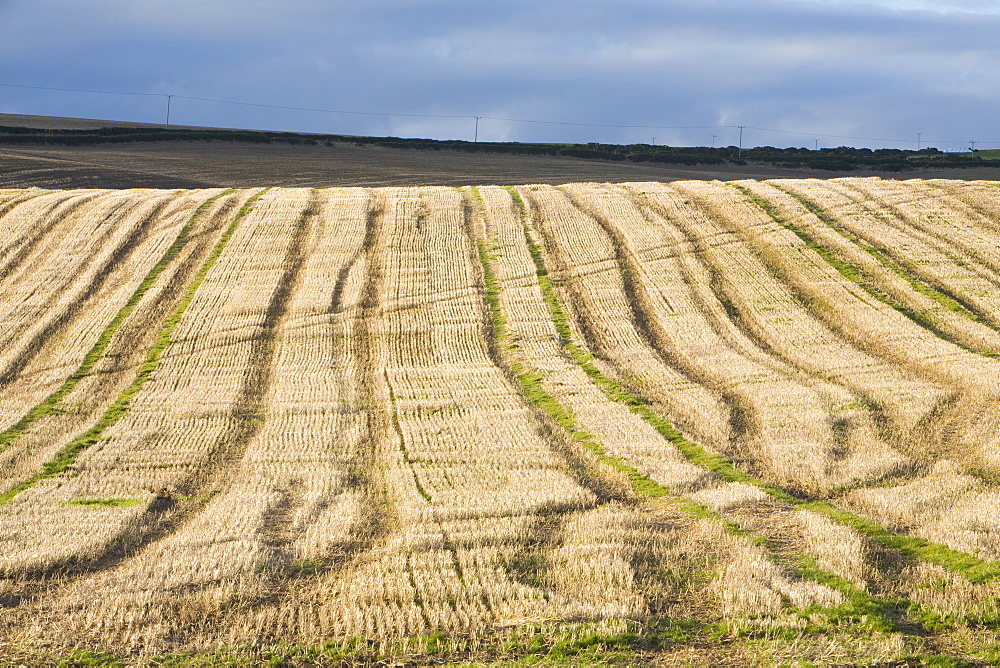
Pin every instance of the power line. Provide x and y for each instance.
(611, 125)
(817, 134)
(376, 113)
(81, 90)
(244, 104)
(477, 118)
(463, 116)
(325, 111)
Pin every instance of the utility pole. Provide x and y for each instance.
(741, 140)
(713, 140)
(476, 140)
(167, 124)
(817, 144)
(972, 145)
(918, 140)
(654, 141)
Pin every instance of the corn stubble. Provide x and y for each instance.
(694, 422)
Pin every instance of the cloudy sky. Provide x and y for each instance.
(823, 72)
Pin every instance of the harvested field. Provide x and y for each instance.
(696, 422)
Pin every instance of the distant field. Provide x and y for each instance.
(210, 164)
(697, 422)
(225, 164)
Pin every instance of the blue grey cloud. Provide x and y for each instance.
(879, 69)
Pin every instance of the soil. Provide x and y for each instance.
(184, 164)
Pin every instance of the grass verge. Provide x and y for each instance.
(67, 456)
(612, 642)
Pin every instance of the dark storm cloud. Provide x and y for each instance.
(883, 69)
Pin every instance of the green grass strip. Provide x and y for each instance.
(50, 405)
(859, 605)
(104, 503)
(858, 276)
(972, 568)
(914, 548)
(68, 455)
(529, 644)
(492, 293)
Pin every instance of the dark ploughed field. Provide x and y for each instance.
(185, 164)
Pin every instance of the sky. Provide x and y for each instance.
(810, 73)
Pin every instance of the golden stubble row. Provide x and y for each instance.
(852, 563)
(493, 531)
(70, 244)
(623, 433)
(73, 282)
(873, 377)
(868, 322)
(971, 435)
(471, 473)
(828, 305)
(9, 198)
(30, 217)
(446, 563)
(282, 497)
(174, 426)
(117, 368)
(538, 349)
